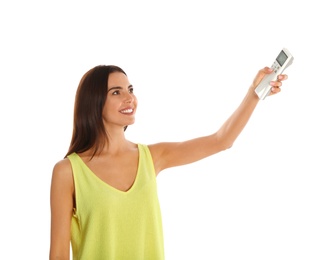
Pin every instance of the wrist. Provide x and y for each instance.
(252, 94)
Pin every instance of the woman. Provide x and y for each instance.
(103, 193)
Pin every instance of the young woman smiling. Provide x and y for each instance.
(103, 193)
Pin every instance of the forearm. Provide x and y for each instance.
(59, 251)
(234, 125)
(54, 256)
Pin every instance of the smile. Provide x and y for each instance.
(127, 111)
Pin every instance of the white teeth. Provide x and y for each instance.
(127, 111)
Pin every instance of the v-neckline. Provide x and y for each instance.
(109, 185)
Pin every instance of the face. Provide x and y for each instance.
(121, 103)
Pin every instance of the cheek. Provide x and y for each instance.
(105, 111)
(110, 109)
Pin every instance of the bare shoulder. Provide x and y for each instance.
(62, 173)
(62, 167)
(158, 153)
(156, 149)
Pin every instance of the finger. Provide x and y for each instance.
(276, 87)
(276, 84)
(275, 90)
(282, 77)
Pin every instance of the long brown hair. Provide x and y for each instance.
(90, 99)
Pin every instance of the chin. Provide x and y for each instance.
(129, 123)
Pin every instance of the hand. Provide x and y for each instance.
(276, 85)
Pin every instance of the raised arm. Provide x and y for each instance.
(167, 155)
(62, 190)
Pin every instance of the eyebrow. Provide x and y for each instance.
(118, 87)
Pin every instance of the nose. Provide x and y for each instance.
(128, 98)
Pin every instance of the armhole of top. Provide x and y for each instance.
(149, 156)
(71, 160)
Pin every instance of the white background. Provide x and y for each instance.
(191, 63)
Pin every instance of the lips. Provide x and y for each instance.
(127, 111)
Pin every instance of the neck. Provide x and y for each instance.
(116, 141)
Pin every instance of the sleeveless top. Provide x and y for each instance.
(110, 224)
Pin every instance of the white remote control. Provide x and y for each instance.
(283, 60)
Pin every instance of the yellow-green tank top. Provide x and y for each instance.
(109, 224)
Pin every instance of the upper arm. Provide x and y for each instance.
(166, 155)
(62, 203)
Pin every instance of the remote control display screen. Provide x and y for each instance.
(281, 58)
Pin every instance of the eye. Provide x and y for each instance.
(117, 92)
(131, 90)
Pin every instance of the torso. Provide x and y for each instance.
(117, 170)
